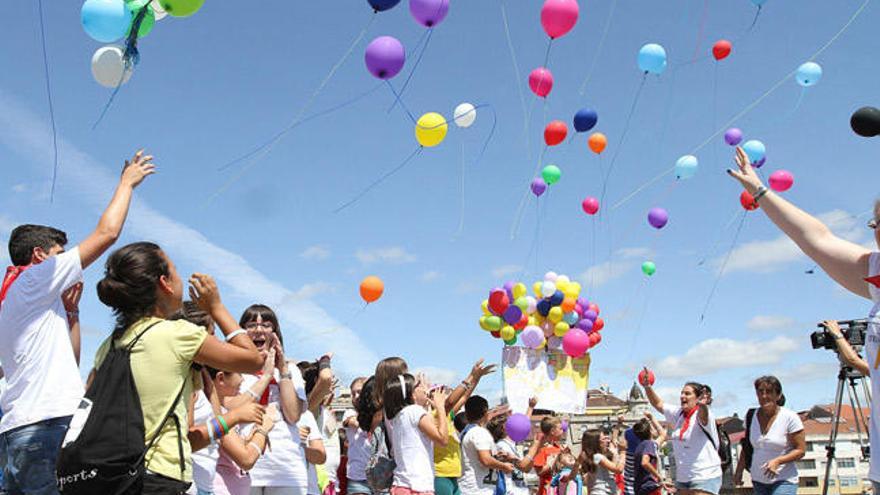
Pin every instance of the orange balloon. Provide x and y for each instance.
(372, 288)
(597, 142)
(568, 304)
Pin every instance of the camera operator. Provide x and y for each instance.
(846, 352)
(852, 266)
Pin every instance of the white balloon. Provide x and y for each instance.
(158, 11)
(108, 67)
(548, 289)
(551, 276)
(465, 115)
(562, 279)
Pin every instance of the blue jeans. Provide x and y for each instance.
(712, 485)
(28, 455)
(778, 488)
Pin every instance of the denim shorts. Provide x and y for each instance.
(712, 485)
(356, 486)
(778, 488)
(27, 457)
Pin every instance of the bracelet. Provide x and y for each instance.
(466, 385)
(261, 432)
(252, 394)
(760, 193)
(210, 432)
(287, 376)
(73, 313)
(218, 430)
(255, 446)
(223, 424)
(235, 334)
(323, 363)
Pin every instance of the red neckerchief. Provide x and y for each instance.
(264, 399)
(687, 421)
(12, 273)
(875, 281)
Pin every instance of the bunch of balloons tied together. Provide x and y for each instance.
(555, 317)
(113, 21)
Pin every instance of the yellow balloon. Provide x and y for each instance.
(483, 323)
(533, 321)
(431, 129)
(562, 286)
(507, 332)
(536, 287)
(485, 306)
(576, 288)
(543, 344)
(560, 329)
(519, 290)
(555, 314)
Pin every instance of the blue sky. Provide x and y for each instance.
(211, 86)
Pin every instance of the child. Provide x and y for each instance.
(648, 479)
(564, 481)
(551, 427)
(600, 462)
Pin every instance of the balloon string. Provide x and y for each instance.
(378, 181)
(626, 125)
(592, 253)
(130, 58)
(599, 47)
(514, 230)
(755, 20)
(49, 99)
(547, 55)
(491, 132)
(517, 75)
(723, 265)
(461, 213)
(402, 104)
(718, 237)
(703, 17)
(414, 67)
(344, 324)
(643, 287)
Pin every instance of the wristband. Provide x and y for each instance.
(256, 447)
(760, 193)
(252, 394)
(218, 430)
(261, 431)
(73, 313)
(210, 432)
(286, 376)
(323, 363)
(235, 334)
(223, 424)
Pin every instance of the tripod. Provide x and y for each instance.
(847, 378)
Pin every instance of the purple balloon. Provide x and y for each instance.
(538, 186)
(429, 13)
(760, 163)
(583, 302)
(591, 316)
(385, 57)
(658, 217)
(585, 325)
(512, 314)
(508, 286)
(518, 427)
(564, 425)
(733, 136)
(532, 337)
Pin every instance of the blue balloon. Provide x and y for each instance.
(585, 119)
(105, 20)
(571, 318)
(544, 307)
(755, 150)
(758, 3)
(557, 298)
(380, 5)
(808, 74)
(652, 58)
(686, 167)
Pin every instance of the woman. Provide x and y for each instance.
(506, 451)
(143, 288)
(777, 439)
(600, 461)
(694, 439)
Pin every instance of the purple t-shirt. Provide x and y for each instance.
(644, 481)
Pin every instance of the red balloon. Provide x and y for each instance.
(594, 307)
(598, 325)
(555, 132)
(498, 301)
(595, 338)
(748, 201)
(497, 334)
(523, 322)
(590, 205)
(721, 49)
(646, 377)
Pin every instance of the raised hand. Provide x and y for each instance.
(71, 297)
(204, 292)
(137, 169)
(745, 174)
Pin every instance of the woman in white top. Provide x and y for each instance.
(694, 439)
(359, 447)
(777, 439)
(600, 461)
(413, 432)
(852, 266)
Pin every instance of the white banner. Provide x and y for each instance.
(558, 381)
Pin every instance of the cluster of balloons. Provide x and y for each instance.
(109, 21)
(554, 317)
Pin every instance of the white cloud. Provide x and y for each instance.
(770, 322)
(394, 255)
(19, 188)
(439, 376)
(714, 355)
(506, 271)
(26, 133)
(309, 291)
(430, 276)
(622, 262)
(808, 372)
(315, 253)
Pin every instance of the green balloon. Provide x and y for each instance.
(147, 23)
(649, 268)
(522, 303)
(134, 5)
(551, 174)
(510, 342)
(493, 323)
(181, 8)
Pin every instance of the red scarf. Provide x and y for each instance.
(687, 421)
(264, 399)
(875, 281)
(12, 273)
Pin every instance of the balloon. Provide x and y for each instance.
(652, 58)
(548, 288)
(585, 324)
(431, 129)
(372, 288)
(181, 8)
(536, 288)
(658, 217)
(593, 307)
(147, 22)
(557, 298)
(498, 301)
(385, 57)
(748, 201)
(759, 163)
(555, 133)
(597, 142)
(508, 287)
(866, 122)
(755, 150)
(758, 3)
(585, 119)
(555, 314)
(568, 304)
(733, 136)
(541, 82)
(511, 341)
(571, 318)
(564, 425)
(543, 307)
(464, 115)
(522, 323)
(519, 290)
(105, 20)
(721, 49)
(808, 74)
(646, 377)
(429, 13)
(108, 67)
(484, 306)
(522, 303)
(560, 329)
(576, 342)
(598, 325)
(686, 167)
(591, 315)
(518, 427)
(538, 186)
(507, 332)
(483, 323)
(781, 180)
(513, 314)
(595, 338)
(648, 268)
(496, 333)
(494, 323)
(558, 17)
(532, 337)
(551, 174)
(590, 205)
(533, 304)
(383, 5)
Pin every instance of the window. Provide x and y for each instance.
(806, 464)
(846, 462)
(809, 482)
(848, 481)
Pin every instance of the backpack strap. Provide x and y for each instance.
(137, 338)
(168, 415)
(706, 432)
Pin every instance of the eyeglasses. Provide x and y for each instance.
(253, 325)
(873, 223)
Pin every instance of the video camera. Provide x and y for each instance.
(853, 331)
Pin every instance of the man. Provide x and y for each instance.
(551, 427)
(43, 381)
(477, 445)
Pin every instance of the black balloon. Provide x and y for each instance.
(866, 122)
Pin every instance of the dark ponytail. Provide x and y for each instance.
(129, 284)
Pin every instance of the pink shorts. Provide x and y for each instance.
(402, 490)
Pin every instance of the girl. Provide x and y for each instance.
(386, 370)
(600, 461)
(359, 426)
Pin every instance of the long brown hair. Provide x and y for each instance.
(591, 444)
(387, 370)
(266, 314)
(129, 284)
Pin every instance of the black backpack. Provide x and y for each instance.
(747, 448)
(723, 447)
(106, 456)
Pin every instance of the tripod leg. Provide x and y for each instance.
(832, 437)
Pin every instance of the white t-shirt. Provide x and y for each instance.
(307, 420)
(413, 451)
(872, 356)
(285, 463)
(204, 461)
(601, 481)
(774, 444)
(330, 433)
(359, 449)
(42, 376)
(696, 458)
(472, 470)
(515, 485)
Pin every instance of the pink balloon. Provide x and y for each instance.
(575, 342)
(541, 82)
(590, 205)
(781, 180)
(559, 16)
